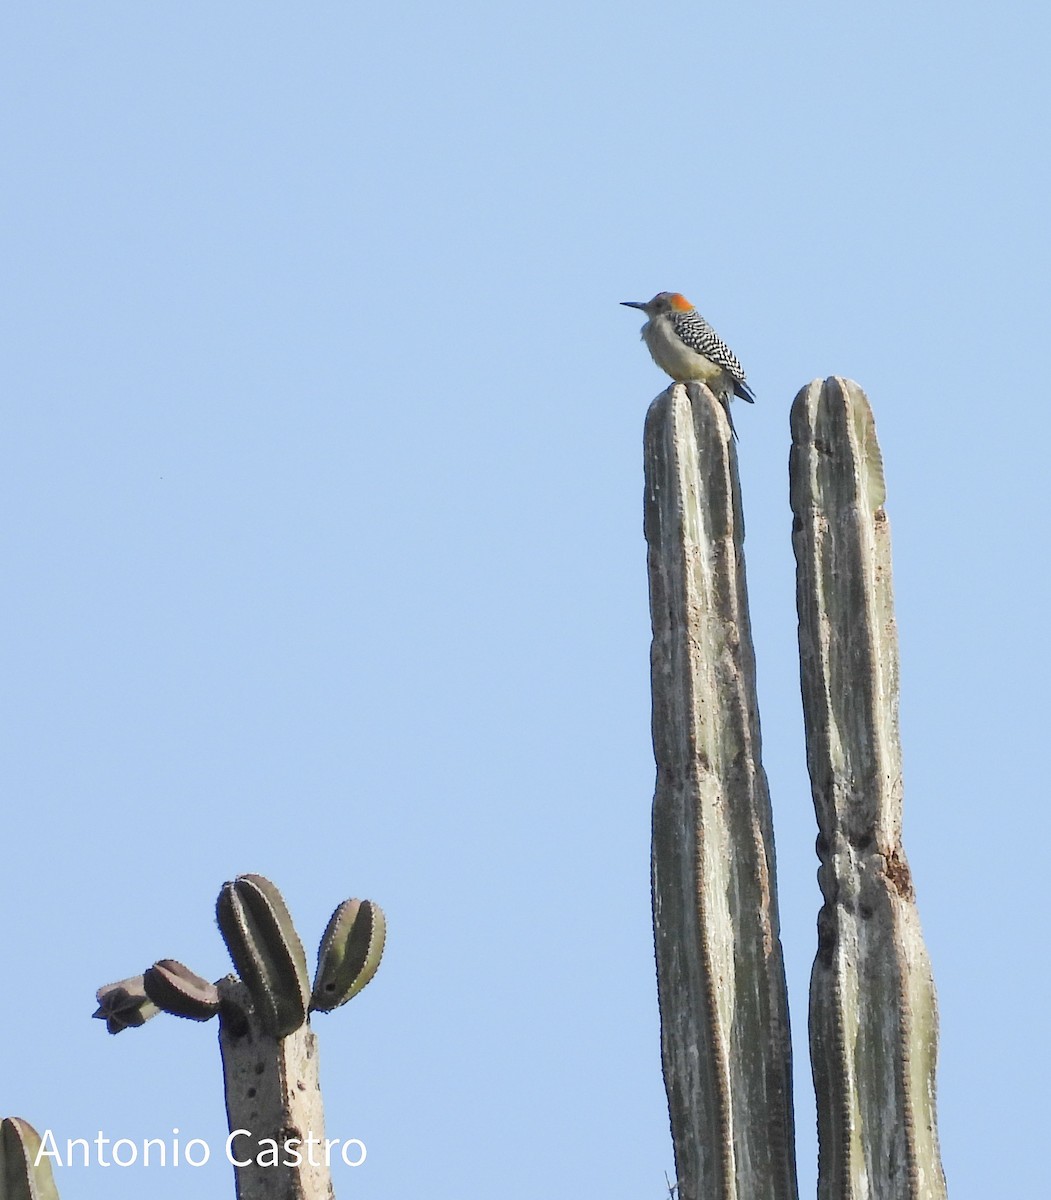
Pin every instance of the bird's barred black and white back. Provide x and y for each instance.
(700, 336)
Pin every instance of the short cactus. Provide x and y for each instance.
(270, 1060)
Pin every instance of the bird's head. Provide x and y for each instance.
(663, 302)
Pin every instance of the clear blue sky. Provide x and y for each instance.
(322, 546)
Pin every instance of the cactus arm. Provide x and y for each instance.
(723, 1003)
(266, 950)
(349, 954)
(175, 989)
(873, 1013)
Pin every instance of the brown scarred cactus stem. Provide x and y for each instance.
(349, 953)
(174, 988)
(266, 951)
(124, 1005)
(873, 1017)
(21, 1176)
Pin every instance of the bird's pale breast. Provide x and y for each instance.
(677, 359)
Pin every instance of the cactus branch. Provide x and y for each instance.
(349, 954)
(266, 950)
(176, 989)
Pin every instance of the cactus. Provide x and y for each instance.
(21, 1176)
(723, 1004)
(873, 1015)
(724, 1020)
(721, 983)
(269, 1052)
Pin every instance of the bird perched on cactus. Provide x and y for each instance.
(683, 344)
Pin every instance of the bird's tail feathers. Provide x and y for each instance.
(725, 400)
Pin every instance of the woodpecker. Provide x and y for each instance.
(683, 344)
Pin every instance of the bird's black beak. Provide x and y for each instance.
(633, 304)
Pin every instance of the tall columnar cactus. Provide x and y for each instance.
(724, 1019)
(270, 1059)
(873, 1017)
(723, 1001)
